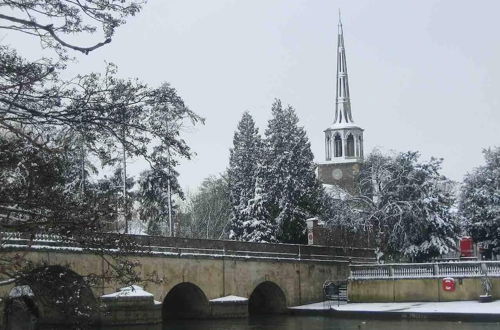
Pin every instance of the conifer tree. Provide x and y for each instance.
(257, 225)
(153, 197)
(289, 180)
(243, 161)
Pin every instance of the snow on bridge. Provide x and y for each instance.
(191, 272)
(185, 247)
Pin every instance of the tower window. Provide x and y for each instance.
(350, 146)
(328, 147)
(338, 145)
(360, 146)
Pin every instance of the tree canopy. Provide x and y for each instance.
(272, 181)
(289, 179)
(54, 22)
(57, 134)
(206, 212)
(480, 201)
(406, 203)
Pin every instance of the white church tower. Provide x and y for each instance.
(343, 139)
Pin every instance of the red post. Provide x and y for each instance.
(466, 247)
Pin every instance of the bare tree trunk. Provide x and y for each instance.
(82, 166)
(169, 193)
(82, 160)
(124, 165)
(169, 201)
(125, 215)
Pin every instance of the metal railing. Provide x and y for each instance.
(425, 270)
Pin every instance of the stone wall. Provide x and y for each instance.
(424, 289)
(228, 246)
(2, 312)
(343, 175)
(320, 234)
(301, 281)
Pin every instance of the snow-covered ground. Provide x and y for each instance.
(129, 291)
(229, 299)
(452, 307)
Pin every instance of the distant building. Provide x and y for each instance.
(343, 139)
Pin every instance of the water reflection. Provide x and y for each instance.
(134, 327)
(323, 323)
(303, 323)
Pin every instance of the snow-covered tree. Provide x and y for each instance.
(408, 205)
(206, 213)
(153, 196)
(257, 224)
(245, 156)
(288, 178)
(41, 112)
(109, 189)
(480, 201)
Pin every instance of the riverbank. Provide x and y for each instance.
(453, 310)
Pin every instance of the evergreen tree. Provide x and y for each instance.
(480, 201)
(243, 162)
(113, 187)
(257, 225)
(156, 188)
(289, 180)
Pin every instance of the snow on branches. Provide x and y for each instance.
(273, 184)
(480, 201)
(405, 203)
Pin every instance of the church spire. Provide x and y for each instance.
(343, 103)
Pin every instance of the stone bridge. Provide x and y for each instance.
(191, 272)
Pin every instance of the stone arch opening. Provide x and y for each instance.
(337, 142)
(328, 147)
(21, 313)
(267, 298)
(185, 301)
(360, 153)
(350, 146)
(52, 295)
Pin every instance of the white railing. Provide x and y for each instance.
(425, 270)
(23, 236)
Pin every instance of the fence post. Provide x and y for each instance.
(484, 269)
(435, 270)
(391, 271)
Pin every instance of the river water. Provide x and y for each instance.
(320, 323)
(287, 322)
(324, 323)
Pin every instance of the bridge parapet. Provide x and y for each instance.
(186, 247)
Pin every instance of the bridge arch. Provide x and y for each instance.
(20, 312)
(185, 301)
(52, 294)
(267, 298)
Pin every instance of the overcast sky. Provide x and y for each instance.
(424, 75)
